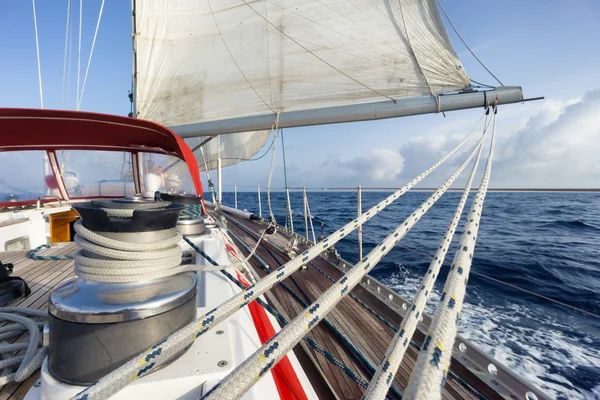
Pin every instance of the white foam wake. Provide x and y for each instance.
(535, 345)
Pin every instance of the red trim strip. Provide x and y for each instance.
(287, 382)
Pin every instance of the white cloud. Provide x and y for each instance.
(557, 146)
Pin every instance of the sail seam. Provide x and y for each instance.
(316, 56)
(412, 50)
(233, 58)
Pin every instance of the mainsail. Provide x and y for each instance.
(206, 61)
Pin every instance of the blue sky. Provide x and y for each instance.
(549, 48)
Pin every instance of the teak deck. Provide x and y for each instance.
(41, 276)
(366, 332)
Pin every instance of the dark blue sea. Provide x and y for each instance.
(548, 243)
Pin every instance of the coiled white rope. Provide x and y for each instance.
(254, 367)
(138, 366)
(431, 368)
(124, 262)
(383, 378)
(34, 354)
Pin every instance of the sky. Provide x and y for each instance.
(549, 48)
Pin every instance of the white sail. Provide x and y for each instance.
(235, 148)
(211, 60)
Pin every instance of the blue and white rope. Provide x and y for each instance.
(382, 380)
(33, 254)
(156, 355)
(254, 367)
(432, 364)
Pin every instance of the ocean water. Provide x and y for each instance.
(548, 243)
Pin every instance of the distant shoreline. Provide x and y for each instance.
(387, 189)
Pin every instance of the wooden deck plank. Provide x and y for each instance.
(41, 276)
(370, 335)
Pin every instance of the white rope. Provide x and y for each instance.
(64, 75)
(431, 368)
(34, 355)
(139, 366)
(37, 49)
(383, 378)
(254, 367)
(79, 55)
(271, 168)
(87, 69)
(122, 262)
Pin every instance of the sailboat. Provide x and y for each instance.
(132, 285)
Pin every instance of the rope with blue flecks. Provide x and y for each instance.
(432, 364)
(158, 354)
(382, 380)
(33, 254)
(337, 333)
(312, 343)
(253, 368)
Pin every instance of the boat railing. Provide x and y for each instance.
(47, 197)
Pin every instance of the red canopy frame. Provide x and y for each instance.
(52, 130)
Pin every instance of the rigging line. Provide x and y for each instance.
(271, 216)
(64, 75)
(412, 50)
(316, 56)
(397, 348)
(140, 365)
(465, 43)
(289, 206)
(330, 28)
(233, 58)
(37, 48)
(68, 96)
(199, 146)
(433, 361)
(79, 56)
(87, 69)
(243, 376)
(211, 186)
(482, 84)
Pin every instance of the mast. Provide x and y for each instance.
(357, 112)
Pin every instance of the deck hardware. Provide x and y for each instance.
(391, 297)
(492, 369)
(404, 306)
(462, 347)
(220, 332)
(222, 363)
(530, 396)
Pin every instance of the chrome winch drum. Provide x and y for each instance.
(95, 327)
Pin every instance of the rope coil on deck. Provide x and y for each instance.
(137, 367)
(254, 367)
(24, 322)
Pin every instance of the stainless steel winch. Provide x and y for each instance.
(95, 327)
